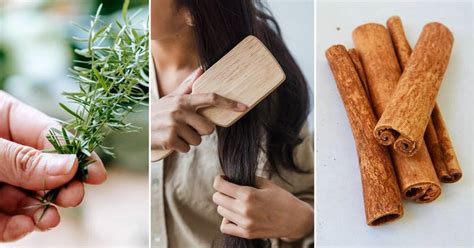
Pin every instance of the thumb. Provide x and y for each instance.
(187, 85)
(31, 169)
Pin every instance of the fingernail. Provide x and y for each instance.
(59, 164)
(241, 106)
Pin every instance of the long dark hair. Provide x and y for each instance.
(273, 126)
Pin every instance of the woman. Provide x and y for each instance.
(267, 158)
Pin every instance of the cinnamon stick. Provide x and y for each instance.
(449, 155)
(440, 159)
(382, 199)
(408, 112)
(416, 176)
(434, 148)
(400, 42)
(360, 70)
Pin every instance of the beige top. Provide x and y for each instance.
(182, 211)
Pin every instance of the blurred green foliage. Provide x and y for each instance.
(3, 64)
(111, 6)
(131, 149)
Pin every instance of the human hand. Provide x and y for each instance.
(266, 211)
(23, 168)
(175, 123)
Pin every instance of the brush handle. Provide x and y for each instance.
(157, 155)
(247, 73)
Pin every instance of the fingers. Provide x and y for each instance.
(15, 227)
(28, 168)
(233, 190)
(227, 202)
(48, 220)
(71, 195)
(169, 136)
(23, 124)
(229, 215)
(221, 185)
(198, 74)
(11, 198)
(16, 203)
(42, 220)
(33, 132)
(178, 144)
(96, 173)
(202, 125)
(188, 135)
(230, 228)
(177, 111)
(237, 204)
(186, 86)
(198, 101)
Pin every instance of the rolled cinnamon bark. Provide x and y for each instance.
(403, 50)
(360, 70)
(432, 142)
(382, 199)
(416, 176)
(447, 148)
(408, 112)
(400, 42)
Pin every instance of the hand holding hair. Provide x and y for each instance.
(267, 211)
(23, 166)
(175, 123)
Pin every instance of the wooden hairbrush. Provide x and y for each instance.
(247, 74)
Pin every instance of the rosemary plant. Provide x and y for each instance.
(113, 82)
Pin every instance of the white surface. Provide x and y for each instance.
(448, 221)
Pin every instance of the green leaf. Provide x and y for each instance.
(65, 135)
(124, 10)
(70, 111)
(86, 152)
(112, 79)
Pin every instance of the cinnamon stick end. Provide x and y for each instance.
(385, 219)
(423, 192)
(393, 19)
(405, 146)
(385, 135)
(369, 26)
(453, 177)
(441, 27)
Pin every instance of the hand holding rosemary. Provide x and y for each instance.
(113, 82)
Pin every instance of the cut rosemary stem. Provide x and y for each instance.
(113, 82)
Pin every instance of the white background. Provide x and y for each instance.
(446, 222)
(296, 20)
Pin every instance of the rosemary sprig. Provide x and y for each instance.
(113, 82)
